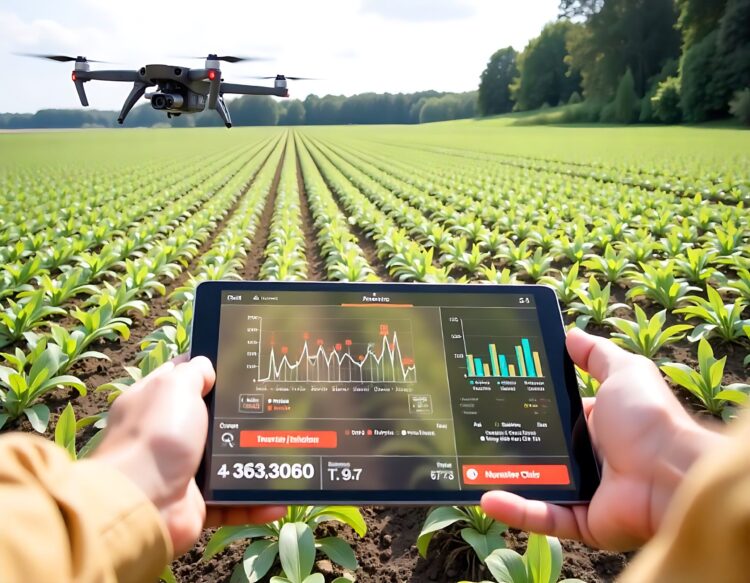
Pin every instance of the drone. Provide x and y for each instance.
(178, 89)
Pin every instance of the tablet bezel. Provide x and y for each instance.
(584, 466)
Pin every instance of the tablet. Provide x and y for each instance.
(388, 393)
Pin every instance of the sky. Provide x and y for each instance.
(352, 46)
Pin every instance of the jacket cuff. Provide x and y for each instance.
(131, 528)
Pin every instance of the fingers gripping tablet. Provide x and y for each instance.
(388, 393)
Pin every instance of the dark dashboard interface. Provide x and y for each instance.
(385, 390)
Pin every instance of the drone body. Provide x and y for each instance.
(178, 89)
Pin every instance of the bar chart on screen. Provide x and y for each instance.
(488, 352)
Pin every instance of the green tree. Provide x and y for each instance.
(254, 110)
(494, 86)
(733, 51)
(698, 18)
(700, 99)
(626, 101)
(544, 75)
(666, 101)
(635, 34)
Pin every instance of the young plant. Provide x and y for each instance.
(154, 358)
(567, 286)
(739, 286)
(719, 319)
(659, 284)
(101, 322)
(25, 316)
(611, 265)
(284, 538)
(541, 563)
(175, 334)
(644, 336)
(17, 277)
(19, 390)
(536, 265)
(70, 284)
(481, 533)
(588, 386)
(504, 276)
(73, 344)
(696, 267)
(594, 305)
(67, 427)
(706, 382)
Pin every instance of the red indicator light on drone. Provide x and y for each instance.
(212, 74)
(73, 75)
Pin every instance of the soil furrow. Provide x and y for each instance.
(369, 249)
(316, 269)
(256, 254)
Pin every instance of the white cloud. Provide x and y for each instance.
(419, 10)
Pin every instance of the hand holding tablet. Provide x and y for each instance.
(388, 393)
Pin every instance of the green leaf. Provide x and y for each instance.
(3, 419)
(338, 551)
(65, 431)
(483, 544)
(507, 566)
(543, 558)
(38, 416)
(167, 575)
(315, 578)
(438, 519)
(296, 550)
(91, 445)
(733, 396)
(258, 559)
(350, 515)
(226, 535)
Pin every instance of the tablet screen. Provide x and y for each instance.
(343, 391)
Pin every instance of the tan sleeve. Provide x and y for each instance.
(64, 521)
(705, 535)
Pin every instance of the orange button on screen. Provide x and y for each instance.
(494, 475)
(322, 439)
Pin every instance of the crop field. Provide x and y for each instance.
(644, 233)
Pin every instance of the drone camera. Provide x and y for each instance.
(166, 101)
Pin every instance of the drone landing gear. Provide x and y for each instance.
(139, 88)
(223, 111)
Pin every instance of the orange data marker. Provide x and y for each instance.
(284, 349)
(338, 346)
(348, 342)
(306, 336)
(361, 357)
(384, 329)
(320, 342)
(369, 432)
(407, 361)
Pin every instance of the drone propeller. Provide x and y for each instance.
(59, 58)
(228, 58)
(284, 77)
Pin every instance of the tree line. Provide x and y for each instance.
(254, 110)
(628, 61)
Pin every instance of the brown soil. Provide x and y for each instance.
(255, 256)
(316, 269)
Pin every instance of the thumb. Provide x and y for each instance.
(598, 356)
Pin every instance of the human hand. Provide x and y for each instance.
(645, 440)
(155, 435)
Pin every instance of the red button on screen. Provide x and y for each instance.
(322, 439)
(542, 475)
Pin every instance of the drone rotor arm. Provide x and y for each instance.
(124, 76)
(239, 89)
